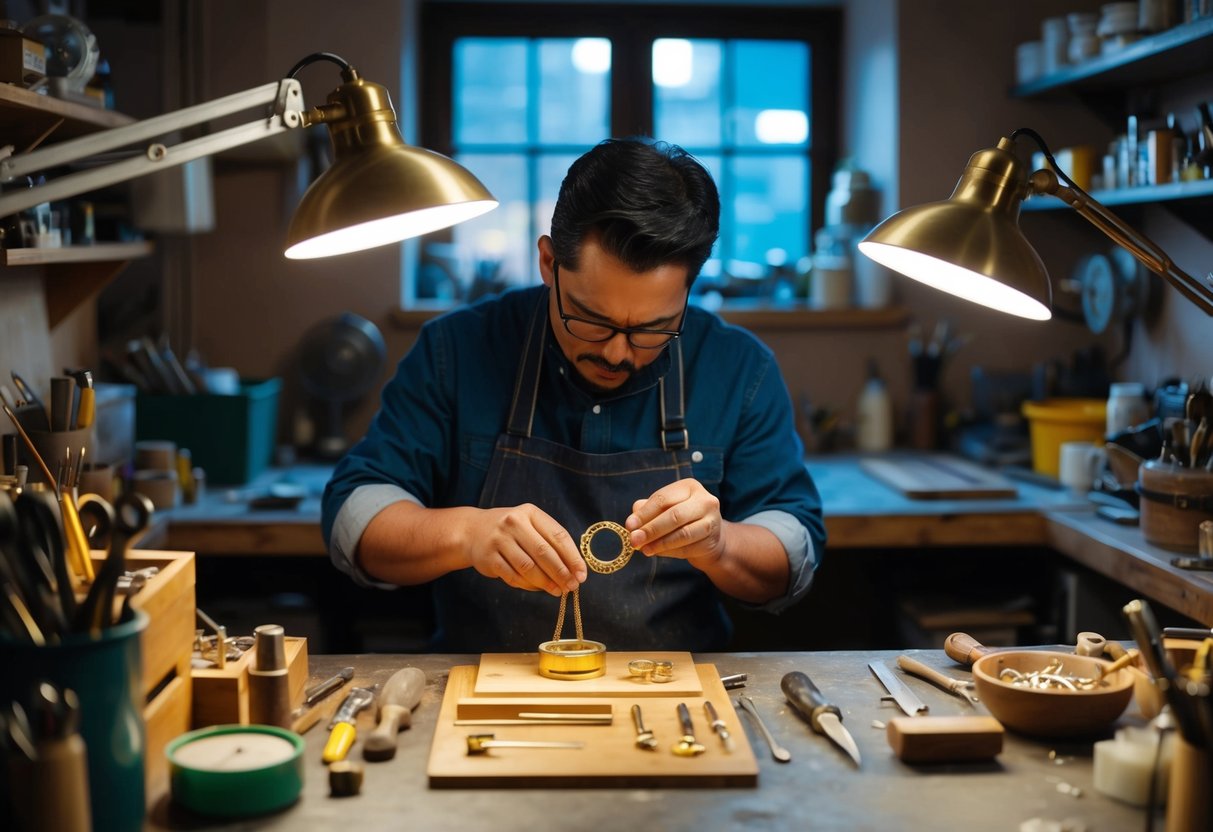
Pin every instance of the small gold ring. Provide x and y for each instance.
(606, 567)
(663, 672)
(572, 659)
(642, 668)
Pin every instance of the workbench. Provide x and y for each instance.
(860, 513)
(818, 789)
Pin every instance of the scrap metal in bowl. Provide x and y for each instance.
(1049, 694)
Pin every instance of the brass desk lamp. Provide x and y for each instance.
(377, 191)
(970, 245)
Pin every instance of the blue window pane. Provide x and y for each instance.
(687, 91)
(490, 91)
(497, 247)
(767, 207)
(574, 91)
(770, 81)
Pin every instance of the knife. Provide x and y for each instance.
(905, 698)
(822, 716)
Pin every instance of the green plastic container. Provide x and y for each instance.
(229, 437)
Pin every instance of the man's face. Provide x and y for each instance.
(604, 290)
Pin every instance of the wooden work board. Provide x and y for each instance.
(610, 757)
(936, 478)
(516, 674)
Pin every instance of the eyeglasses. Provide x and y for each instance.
(596, 332)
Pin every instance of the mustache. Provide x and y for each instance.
(598, 361)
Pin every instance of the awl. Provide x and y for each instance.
(822, 716)
(905, 698)
(959, 687)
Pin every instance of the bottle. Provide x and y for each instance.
(874, 414)
(1179, 145)
(1126, 406)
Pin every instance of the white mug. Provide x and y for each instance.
(1080, 465)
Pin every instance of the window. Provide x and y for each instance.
(517, 92)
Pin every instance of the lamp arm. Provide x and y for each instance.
(285, 97)
(1136, 243)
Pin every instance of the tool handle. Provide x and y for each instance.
(314, 694)
(637, 719)
(929, 673)
(340, 740)
(381, 743)
(684, 719)
(807, 699)
(74, 539)
(963, 648)
(88, 408)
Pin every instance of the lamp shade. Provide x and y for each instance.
(378, 190)
(970, 245)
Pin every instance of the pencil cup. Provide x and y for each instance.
(104, 673)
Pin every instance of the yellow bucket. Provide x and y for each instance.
(1054, 421)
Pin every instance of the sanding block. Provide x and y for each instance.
(945, 739)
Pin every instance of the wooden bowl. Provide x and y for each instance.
(1049, 712)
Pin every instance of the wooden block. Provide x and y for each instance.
(221, 695)
(939, 478)
(165, 717)
(610, 757)
(945, 739)
(517, 674)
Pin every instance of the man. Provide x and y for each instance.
(515, 424)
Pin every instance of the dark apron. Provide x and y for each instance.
(652, 603)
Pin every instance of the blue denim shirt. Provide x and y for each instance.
(440, 416)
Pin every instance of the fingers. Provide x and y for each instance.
(527, 549)
(680, 520)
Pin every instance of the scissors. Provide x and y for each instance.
(41, 544)
(114, 529)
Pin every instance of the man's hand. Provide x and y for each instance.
(526, 548)
(680, 520)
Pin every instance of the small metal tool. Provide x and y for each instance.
(735, 680)
(687, 746)
(481, 743)
(317, 692)
(719, 727)
(644, 737)
(905, 698)
(342, 726)
(958, 687)
(824, 717)
(780, 753)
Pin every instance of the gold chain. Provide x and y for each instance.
(576, 615)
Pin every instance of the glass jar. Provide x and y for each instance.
(1127, 406)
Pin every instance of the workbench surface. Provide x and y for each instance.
(819, 789)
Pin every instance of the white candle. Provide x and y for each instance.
(1125, 765)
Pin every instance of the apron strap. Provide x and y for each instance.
(674, 435)
(526, 386)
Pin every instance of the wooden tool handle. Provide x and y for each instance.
(381, 743)
(929, 673)
(963, 648)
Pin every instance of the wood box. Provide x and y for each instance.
(221, 696)
(165, 647)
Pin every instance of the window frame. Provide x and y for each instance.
(631, 28)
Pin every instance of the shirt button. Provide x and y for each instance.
(696, 456)
(597, 409)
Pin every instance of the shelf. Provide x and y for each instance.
(98, 253)
(25, 116)
(1178, 52)
(1151, 194)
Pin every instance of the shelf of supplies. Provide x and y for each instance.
(25, 116)
(1178, 52)
(1149, 194)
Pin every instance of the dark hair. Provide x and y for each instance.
(646, 202)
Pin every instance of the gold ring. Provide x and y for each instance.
(663, 672)
(642, 668)
(606, 567)
(572, 659)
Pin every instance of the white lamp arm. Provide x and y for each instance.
(285, 97)
(1138, 244)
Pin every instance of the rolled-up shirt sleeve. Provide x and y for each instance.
(802, 556)
(355, 515)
